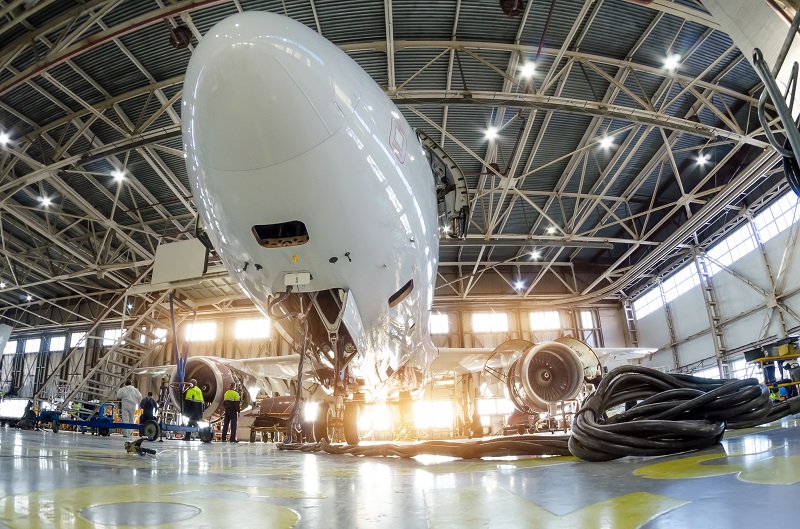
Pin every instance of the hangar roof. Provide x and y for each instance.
(90, 88)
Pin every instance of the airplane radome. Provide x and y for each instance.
(308, 179)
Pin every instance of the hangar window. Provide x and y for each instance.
(730, 249)
(161, 335)
(439, 324)
(545, 321)
(282, 234)
(401, 294)
(111, 336)
(490, 322)
(77, 338)
(201, 332)
(252, 329)
(33, 345)
(780, 215)
(647, 303)
(680, 282)
(57, 343)
(11, 347)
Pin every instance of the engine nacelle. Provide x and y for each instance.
(542, 374)
(213, 378)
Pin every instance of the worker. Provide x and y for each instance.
(232, 405)
(129, 398)
(163, 394)
(149, 407)
(193, 406)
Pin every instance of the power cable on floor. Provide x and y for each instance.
(675, 413)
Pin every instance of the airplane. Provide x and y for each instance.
(324, 204)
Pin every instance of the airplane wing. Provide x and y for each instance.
(283, 367)
(472, 360)
(622, 354)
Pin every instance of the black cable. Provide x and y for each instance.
(676, 413)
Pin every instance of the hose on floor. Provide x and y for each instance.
(674, 413)
(518, 445)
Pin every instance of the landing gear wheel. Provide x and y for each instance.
(320, 431)
(56, 425)
(105, 432)
(150, 430)
(351, 435)
(206, 435)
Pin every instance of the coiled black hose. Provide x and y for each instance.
(677, 413)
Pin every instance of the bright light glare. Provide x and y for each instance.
(46, 201)
(519, 285)
(130, 306)
(672, 62)
(536, 254)
(13, 408)
(703, 158)
(310, 411)
(4, 138)
(491, 133)
(607, 142)
(2, 284)
(118, 175)
(433, 414)
(29, 297)
(551, 230)
(528, 70)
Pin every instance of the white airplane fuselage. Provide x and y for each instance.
(279, 125)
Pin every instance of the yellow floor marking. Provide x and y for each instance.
(771, 470)
(688, 468)
(485, 507)
(780, 470)
(61, 508)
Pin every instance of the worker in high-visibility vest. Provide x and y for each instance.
(232, 405)
(193, 406)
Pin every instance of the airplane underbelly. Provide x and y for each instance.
(305, 173)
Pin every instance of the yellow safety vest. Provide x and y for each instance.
(232, 394)
(194, 393)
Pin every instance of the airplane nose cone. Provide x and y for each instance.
(262, 89)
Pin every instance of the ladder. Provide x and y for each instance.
(630, 322)
(116, 364)
(712, 308)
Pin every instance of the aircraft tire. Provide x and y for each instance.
(351, 435)
(321, 423)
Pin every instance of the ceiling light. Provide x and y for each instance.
(536, 255)
(703, 158)
(29, 297)
(4, 138)
(551, 230)
(118, 175)
(130, 306)
(46, 201)
(2, 284)
(672, 62)
(519, 285)
(491, 133)
(527, 70)
(607, 142)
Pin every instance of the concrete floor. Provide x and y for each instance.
(71, 480)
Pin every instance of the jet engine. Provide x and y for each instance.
(213, 378)
(542, 374)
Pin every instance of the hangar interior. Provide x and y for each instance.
(620, 189)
